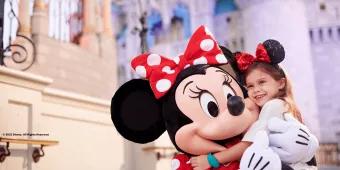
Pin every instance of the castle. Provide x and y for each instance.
(309, 30)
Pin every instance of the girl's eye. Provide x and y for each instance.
(227, 91)
(209, 105)
(262, 81)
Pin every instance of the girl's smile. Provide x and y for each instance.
(262, 87)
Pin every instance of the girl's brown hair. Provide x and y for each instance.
(286, 94)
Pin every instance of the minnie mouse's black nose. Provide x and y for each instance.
(235, 105)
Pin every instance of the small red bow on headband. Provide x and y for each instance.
(244, 60)
(162, 72)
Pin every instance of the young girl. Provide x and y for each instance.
(270, 91)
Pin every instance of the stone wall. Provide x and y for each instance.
(326, 57)
(76, 69)
(81, 124)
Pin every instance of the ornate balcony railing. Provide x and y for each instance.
(18, 50)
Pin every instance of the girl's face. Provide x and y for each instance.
(262, 87)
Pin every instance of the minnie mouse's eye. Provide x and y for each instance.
(209, 104)
(227, 91)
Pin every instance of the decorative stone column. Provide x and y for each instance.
(24, 18)
(107, 31)
(89, 39)
(39, 18)
(107, 40)
(107, 17)
(285, 21)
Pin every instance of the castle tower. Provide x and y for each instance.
(285, 21)
(201, 12)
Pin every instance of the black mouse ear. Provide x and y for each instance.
(136, 113)
(231, 58)
(275, 51)
(232, 67)
(226, 51)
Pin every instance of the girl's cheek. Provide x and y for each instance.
(250, 105)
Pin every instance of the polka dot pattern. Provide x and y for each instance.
(175, 164)
(207, 44)
(154, 59)
(220, 58)
(141, 71)
(201, 60)
(176, 59)
(186, 66)
(163, 85)
(168, 70)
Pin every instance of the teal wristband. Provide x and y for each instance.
(213, 162)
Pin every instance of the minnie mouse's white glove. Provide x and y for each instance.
(259, 155)
(291, 140)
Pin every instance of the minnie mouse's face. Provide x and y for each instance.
(204, 98)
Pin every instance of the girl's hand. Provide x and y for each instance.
(200, 162)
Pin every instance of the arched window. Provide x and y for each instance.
(224, 6)
(330, 33)
(120, 27)
(119, 23)
(180, 22)
(320, 35)
(311, 35)
(155, 26)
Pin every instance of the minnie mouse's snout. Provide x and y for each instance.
(235, 105)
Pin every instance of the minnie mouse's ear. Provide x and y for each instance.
(275, 51)
(232, 68)
(233, 71)
(136, 113)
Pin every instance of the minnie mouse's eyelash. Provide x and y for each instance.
(199, 88)
(227, 80)
(199, 92)
(196, 92)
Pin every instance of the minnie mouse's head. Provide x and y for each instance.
(195, 101)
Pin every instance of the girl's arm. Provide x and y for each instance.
(233, 153)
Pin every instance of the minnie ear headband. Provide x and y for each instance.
(270, 51)
(162, 72)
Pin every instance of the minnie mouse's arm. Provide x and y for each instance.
(233, 153)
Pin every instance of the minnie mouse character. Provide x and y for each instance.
(200, 105)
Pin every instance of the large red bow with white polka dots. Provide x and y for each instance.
(162, 72)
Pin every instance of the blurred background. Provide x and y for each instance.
(62, 60)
